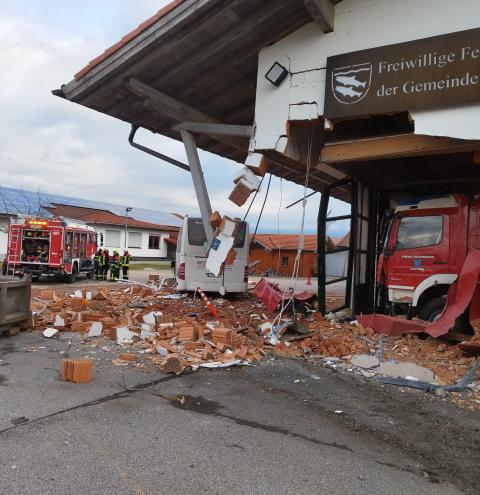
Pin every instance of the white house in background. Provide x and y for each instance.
(4, 223)
(145, 241)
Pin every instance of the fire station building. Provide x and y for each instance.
(368, 102)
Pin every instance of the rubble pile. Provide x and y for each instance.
(178, 332)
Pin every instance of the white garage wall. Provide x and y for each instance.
(359, 24)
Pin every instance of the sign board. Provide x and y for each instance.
(427, 73)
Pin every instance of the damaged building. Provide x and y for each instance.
(332, 95)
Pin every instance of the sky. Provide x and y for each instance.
(54, 146)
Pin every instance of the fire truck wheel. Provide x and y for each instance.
(432, 309)
(73, 276)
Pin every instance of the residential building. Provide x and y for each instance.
(149, 238)
(275, 254)
(145, 241)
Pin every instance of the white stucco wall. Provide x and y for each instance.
(359, 24)
(3, 244)
(144, 251)
(4, 223)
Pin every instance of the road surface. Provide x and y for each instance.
(280, 427)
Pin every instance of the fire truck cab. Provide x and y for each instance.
(426, 243)
(59, 248)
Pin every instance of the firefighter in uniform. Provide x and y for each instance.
(97, 266)
(125, 264)
(105, 261)
(114, 266)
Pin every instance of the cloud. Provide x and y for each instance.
(57, 147)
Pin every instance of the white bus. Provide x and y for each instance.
(191, 257)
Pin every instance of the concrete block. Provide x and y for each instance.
(95, 330)
(59, 321)
(124, 335)
(50, 332)
(404, 370)
(365, 361)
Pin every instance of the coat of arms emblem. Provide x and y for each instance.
(350, 84)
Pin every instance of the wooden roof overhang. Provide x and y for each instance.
(197, 60)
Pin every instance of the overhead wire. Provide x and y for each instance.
(301, 240)
(261, 211)
(253, 199)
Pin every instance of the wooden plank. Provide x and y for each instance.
(184, 12)
(394, 147)
(323, 12)
(167, 103)
(329, 170)
(168, 41)
(163, 104)
(264, 12)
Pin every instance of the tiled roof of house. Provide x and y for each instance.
(344, 241)
(286, 241)
(127, 38)
(96, 216)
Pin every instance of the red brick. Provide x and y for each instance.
(187, 334)
(78, 370)
(77, 326)
(48, 295)
(127, 357)
(222, 335)
(172, 364)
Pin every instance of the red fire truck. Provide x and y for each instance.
(426, 244)
(53, 247)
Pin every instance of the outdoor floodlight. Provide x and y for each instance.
(276, 74)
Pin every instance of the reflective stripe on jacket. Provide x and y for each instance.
(125, 260)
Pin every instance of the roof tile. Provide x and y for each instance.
(127, 38)
(287, 241)
(92, 215)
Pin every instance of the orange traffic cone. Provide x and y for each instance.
(309, 282)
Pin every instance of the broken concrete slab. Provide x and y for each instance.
(404, 370)
(365, 361)
(124, 335)
(149, 319)
(162, 351)
(95, 329)
(50, 332)
(59, 321)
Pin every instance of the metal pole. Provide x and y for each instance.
(198, 182)
(127, 210)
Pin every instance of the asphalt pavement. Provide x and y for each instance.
(280, 427)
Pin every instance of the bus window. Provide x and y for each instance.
(179, 241)
(197, 237)
(240, 237)
(196, 232)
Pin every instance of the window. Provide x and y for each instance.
(416, 232)
(112, 238)
(284, 260)
(179, 240)
(134, 240)
(154, 242)
(197, 237)
(196, 232)
(240, 237)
